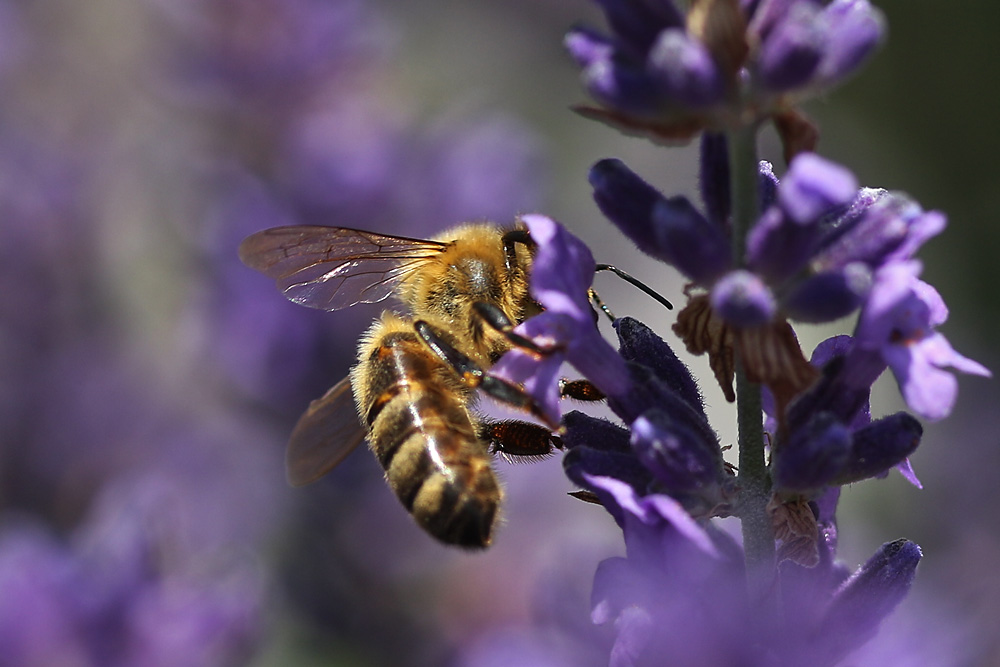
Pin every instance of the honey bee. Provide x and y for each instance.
(415, 381)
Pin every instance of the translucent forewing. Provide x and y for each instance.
(325, 434)
(334, 267)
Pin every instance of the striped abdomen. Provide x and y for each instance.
(423, 434)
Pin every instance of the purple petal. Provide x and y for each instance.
(671, 230)
(778, 248)
(563, 269)
(880, 228)
(868, 597)
(587, 46)
(539, 375)
(627, 201)
(621, 86)
(834, 346)
(636, 629)
(891, 289)
(814, 187)
(905, 469)
(639, 23)
(617, 584)
(929, 390)
(813, 455)
(655, 509)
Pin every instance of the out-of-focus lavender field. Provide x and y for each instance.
(148, 380)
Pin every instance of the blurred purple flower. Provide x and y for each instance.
(897, 329)
(668, 75)
(821, 249)
(679, 592)
(271, 52)
(121, 594)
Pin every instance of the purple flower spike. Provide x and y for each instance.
(898, 322)
(743, 300)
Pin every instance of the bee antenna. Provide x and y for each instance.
(597, 301)
(635, 282)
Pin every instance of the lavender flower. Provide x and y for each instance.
(661, 474)
(116, 596)
(668, 75)
(812, 256)
(679, 592)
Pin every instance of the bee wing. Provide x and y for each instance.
(334, 267)
(325, 434)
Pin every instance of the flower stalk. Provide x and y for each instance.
(754, 484)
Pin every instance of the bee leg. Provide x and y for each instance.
(473, 375)
(580, 390)
(498, 320)
(510, 239)
(519, 440)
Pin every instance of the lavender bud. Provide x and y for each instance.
(881, 445)
(830, 295)
(813, 455)
(743, 300)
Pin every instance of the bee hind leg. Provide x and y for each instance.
(516, 440)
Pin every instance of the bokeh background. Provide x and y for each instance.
(148, 381)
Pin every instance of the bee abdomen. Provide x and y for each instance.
(423, 435)
(437, 467)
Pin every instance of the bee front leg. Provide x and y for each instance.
(581, 390)
(473, 375)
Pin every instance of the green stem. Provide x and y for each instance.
(754, 483)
